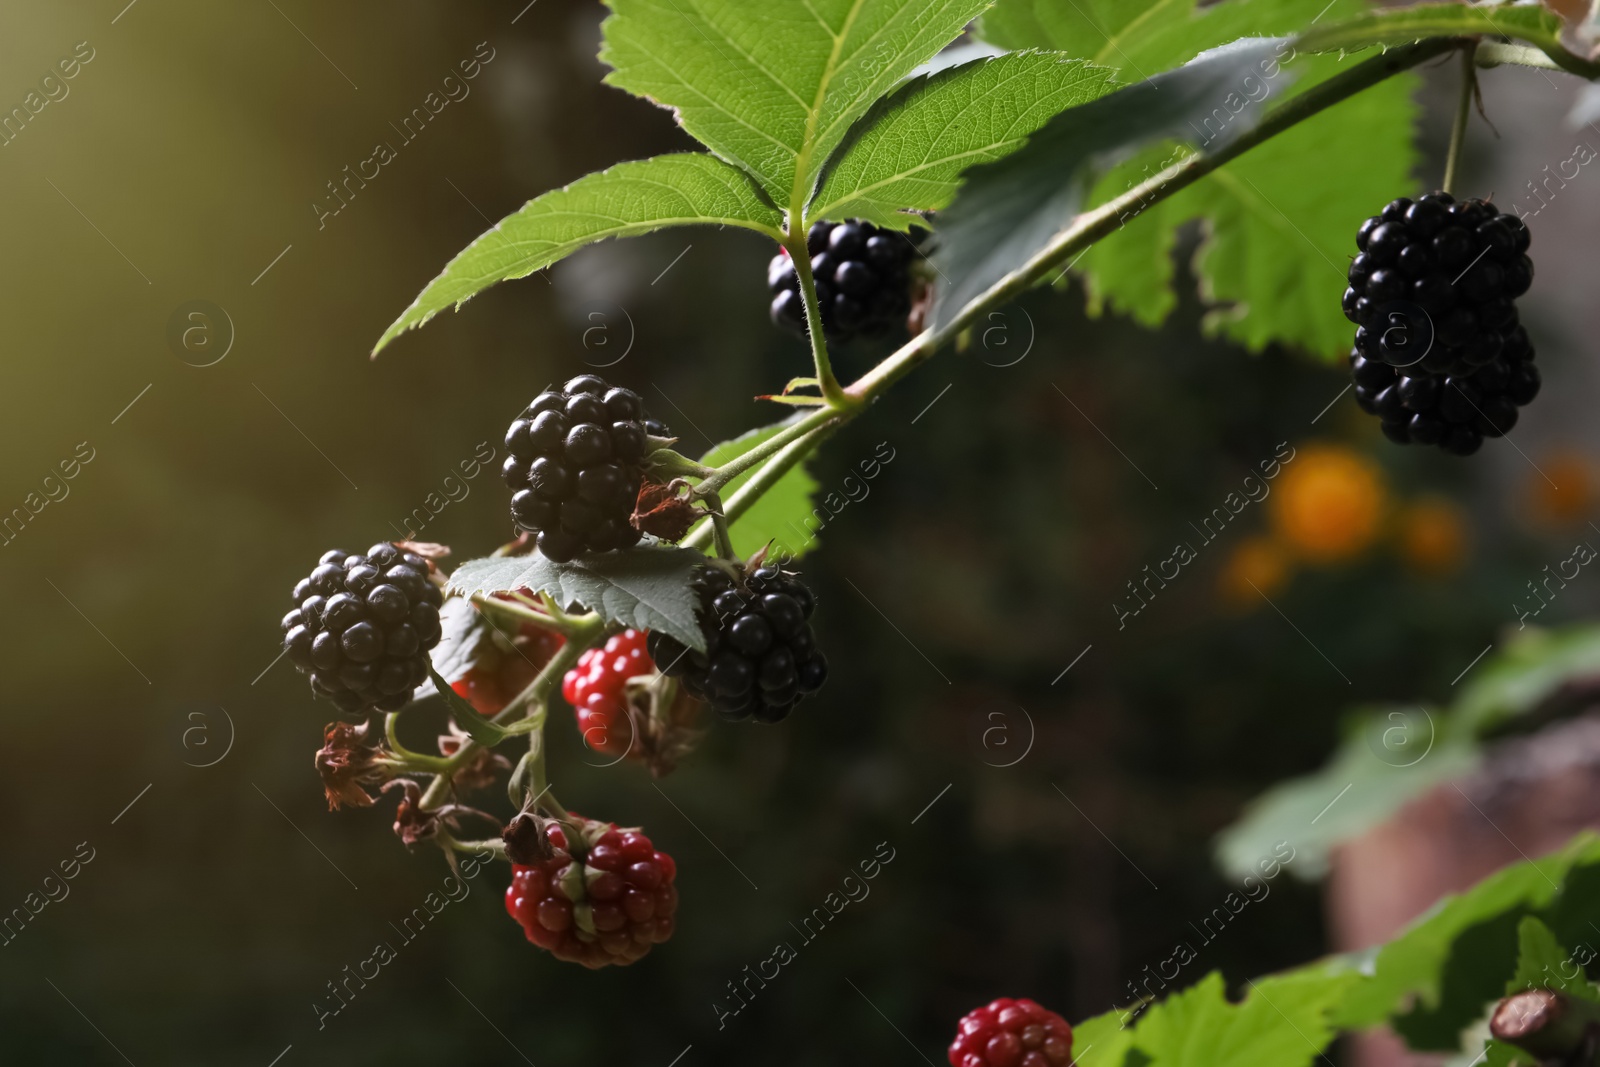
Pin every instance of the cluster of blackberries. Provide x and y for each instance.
(574, 467)
(761, 657)
(364, 626)
(1440, 356)
(863, 278)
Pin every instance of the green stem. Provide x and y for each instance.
(1458, 129)
(1099, 223)
(560, 624)
(589, 629)
(736, 466)
(831, 390)
(409, 760)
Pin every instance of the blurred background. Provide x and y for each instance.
(1049, 783)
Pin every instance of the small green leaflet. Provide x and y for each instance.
(624, 201)
(1280, 220)
(1281, 1022)
(1009, 210)
(910, 150)
(646, 588)
(1543, 964)
(782, 513)
(774, 85)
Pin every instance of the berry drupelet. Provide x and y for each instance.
(575, 467)
(863, 278)
(761, 656)
(363, 625)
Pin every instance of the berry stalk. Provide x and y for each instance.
(832, 392)
(587, 632)
(1458, 129)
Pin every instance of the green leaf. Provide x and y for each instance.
(1281, 1022)
(1470, 939)
(909, 152)
(774, 86)
(479, 728)
(465, 635)
(1010, 210)
(783, 515)
(1536, 24)
(1279, 221)
(1543, 964)
(1529, 671)
(1389, 756)
(1103, 1041)
(646, 588)
(627, 200)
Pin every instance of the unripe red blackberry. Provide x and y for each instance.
(863, 278)
(608, 900)
(575, 467)
(1012, 1033)
(761, 656)
(363, 625)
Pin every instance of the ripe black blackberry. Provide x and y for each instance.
(1456, 411)
(761, 656)
(363, 626)
(574, 467)
(863, 278)
(1434, 285)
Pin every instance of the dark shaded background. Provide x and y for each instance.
(144, 606)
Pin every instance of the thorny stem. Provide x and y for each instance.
(1458, 130)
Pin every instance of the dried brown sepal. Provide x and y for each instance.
(660, 511)
(426, 549)
(481, 771)
(527, 839)
(347, 762)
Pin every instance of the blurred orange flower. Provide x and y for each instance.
(1329, 503)
(1257, 566)
(1569, 495)
(1433, 535)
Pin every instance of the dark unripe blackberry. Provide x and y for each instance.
(761, 656)
(362, 627)
(863, 278)
(574, 467)
(1434, 282)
